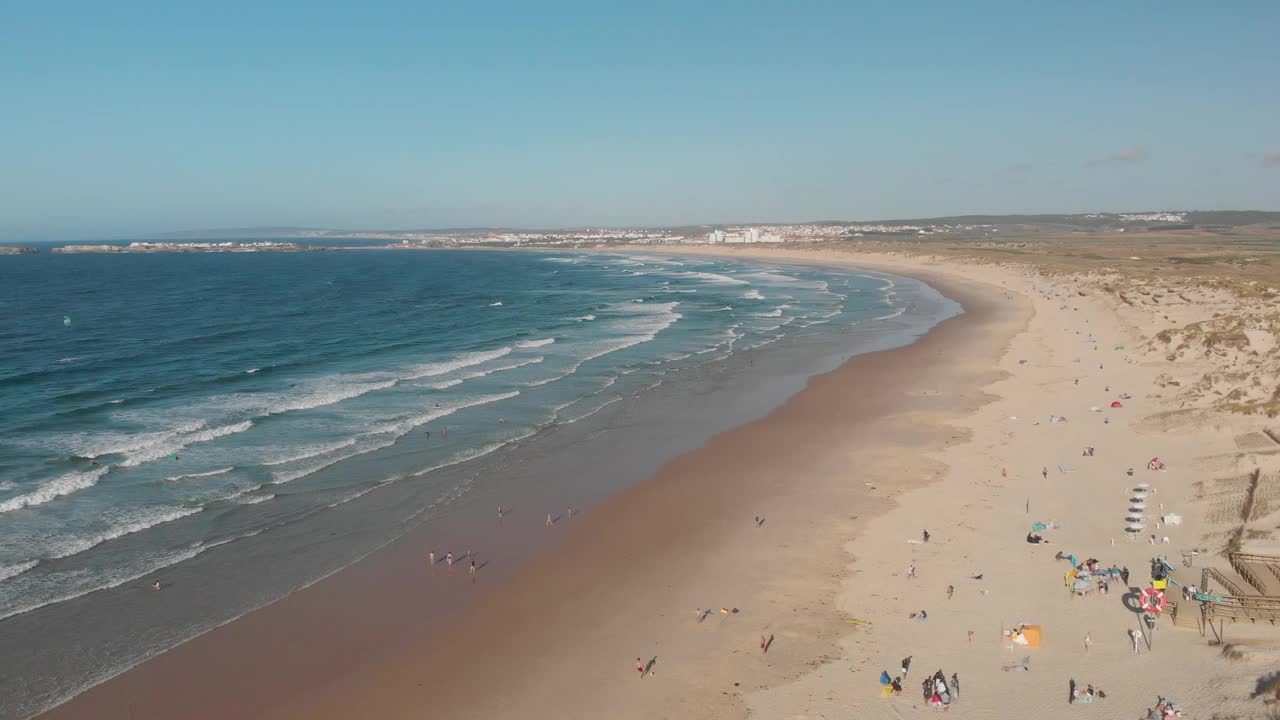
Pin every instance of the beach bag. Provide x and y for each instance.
(884, 678)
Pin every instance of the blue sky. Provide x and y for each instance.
(132, 118)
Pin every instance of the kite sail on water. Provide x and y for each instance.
(66, 320)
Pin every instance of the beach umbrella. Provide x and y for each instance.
(1140, 490)
(1133, 518)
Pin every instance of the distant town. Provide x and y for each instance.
(995, 228)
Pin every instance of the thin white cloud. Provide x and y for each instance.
(1271, 158)
(1127, 156)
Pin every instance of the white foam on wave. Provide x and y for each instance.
(8, 571)
(183, 440)
(251, 371)
(255, 499)
(753, 294)
(776, 312)
(419, 372)
(773, 276)
(162, 561)
(312, 451)
(142, 521)
(574, 261)
(403, 426)
(322, 392)
(56, 488)
(482, 373)
(721, 309)
(585, 318)
(535, 343)
(284, 476)
(643, 324)
(383, 435)
(125, 444)
(891, 315)
(595, 410)
(496, 304)
(192, 476)
(714, 278)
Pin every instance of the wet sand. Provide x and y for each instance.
(560, 637)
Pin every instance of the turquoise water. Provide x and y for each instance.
(192, 400)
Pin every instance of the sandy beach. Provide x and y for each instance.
(734, 573)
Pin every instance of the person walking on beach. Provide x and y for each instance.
(549, 522)
(448, 558)
(640, 666)
(1044, 472)
(499, 514)
(950, 591)
(473, 571)
(1133, 636)
(1088, 640)
(906, 664)
(431, 558)
(970, 638)
(1124, 575)
(911, 571)
(926, 536)
(569, 514)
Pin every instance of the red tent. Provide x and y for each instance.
(1116, 403)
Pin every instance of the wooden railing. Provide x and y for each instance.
(1240, 563)
(1249, 607)
(1213, 574)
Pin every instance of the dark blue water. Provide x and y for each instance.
(153, 406)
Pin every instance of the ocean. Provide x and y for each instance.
(166, 415)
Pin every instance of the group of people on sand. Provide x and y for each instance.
(1164, 708)
(1085, 578)
(1087, 695)
(940, 693)
(448, 560)
(937, 690)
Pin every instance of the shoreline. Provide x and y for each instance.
(947, 434)
(383, 567)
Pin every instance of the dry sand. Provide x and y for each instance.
(844, 474)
